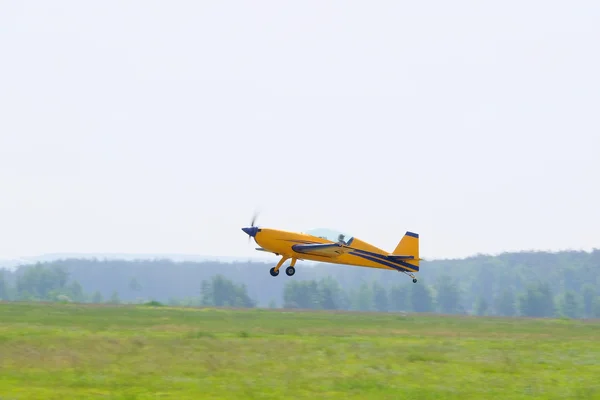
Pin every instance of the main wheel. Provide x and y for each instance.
(273, 272)
(290, 271)
(415, 280)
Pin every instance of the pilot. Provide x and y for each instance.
(341, 238)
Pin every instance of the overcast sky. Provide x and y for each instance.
(160, 127)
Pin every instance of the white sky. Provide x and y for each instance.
(159, 127)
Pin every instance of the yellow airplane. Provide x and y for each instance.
(330, 246)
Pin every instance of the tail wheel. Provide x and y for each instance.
(290, 271)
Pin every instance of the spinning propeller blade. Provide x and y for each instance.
(253, 222)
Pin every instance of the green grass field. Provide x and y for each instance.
(58, 351)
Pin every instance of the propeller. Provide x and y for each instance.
(251, 231)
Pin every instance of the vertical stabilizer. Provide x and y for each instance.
(409, 246)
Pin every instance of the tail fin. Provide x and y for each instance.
(409, 248)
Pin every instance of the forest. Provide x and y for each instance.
(532, 284)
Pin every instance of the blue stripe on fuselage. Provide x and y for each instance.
(382, 259)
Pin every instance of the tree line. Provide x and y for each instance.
(529, 284)
(51, 283)
(537, 300)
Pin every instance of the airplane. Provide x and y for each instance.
(331, 246)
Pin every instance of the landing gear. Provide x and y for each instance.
(411, 275)
(275, 271)
(289, 270)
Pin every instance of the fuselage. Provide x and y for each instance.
(281, 242)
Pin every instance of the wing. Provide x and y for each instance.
(322, 249)
(265, 250)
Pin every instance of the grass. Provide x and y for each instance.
(68, 351)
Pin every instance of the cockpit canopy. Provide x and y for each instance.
(331, 234)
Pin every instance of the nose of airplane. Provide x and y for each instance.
(251, 231)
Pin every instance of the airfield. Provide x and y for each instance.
(59, 351)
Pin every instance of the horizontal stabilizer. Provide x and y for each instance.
(395, 257)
